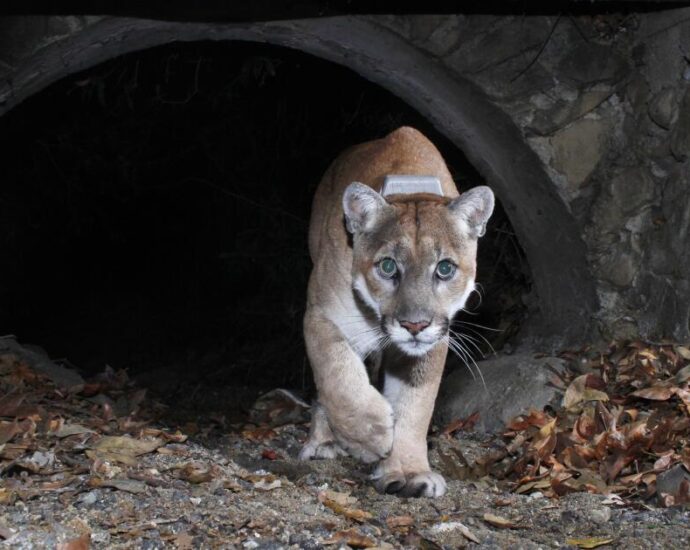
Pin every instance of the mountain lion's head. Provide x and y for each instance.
(415, 258)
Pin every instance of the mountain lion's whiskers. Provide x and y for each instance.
(464, 354)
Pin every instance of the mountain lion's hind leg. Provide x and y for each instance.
(321, 442)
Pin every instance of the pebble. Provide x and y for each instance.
(89, 498)
(600, 515)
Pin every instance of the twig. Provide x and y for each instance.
(541, 49)
(577, 28)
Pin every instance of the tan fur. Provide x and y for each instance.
(351, 306)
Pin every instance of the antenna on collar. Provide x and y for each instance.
(403, 184)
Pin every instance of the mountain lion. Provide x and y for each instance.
(389, 275)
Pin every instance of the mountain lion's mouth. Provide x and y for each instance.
(416, 346)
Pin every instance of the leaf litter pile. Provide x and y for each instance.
(623, 429)
(94, 463)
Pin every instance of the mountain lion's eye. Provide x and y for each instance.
(445, 269)
(388, 268)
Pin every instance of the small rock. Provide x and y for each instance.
(42, 459)
(600, 515)
(89, 498)
(680, 135)
(668, 482)
(663, 109)
(619, 269)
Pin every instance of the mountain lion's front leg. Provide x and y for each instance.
(359, 416)
(411, 386)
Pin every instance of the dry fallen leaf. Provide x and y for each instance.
(7, 431)
(344, 499)
(579, 392)
(123, 448)
(262, 433)
(469, 535)
(264, 482)
(7, 496)
(352, 538)
(655, 393)
(445, 527)
(268, 485)
(498, 521)
(683, 351)
(683, 374)
(460, 424)
(80, 543)
(270, 454)
(183, 541)
(399, 521)
(342, 510)
(127, 445)
(127, 485)
(590, 542)
(67, 430)
(197, 473)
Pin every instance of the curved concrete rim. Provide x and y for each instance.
(486, 134)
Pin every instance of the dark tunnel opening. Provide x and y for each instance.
(154, 215)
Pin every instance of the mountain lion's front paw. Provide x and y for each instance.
(365, 430)
(413, 484)
(321, 450)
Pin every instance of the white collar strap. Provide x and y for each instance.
(404, 184)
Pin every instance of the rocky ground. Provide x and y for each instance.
(96, 463)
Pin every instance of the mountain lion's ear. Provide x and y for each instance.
(362, 206)
(474, 208)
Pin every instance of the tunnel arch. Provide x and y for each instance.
(487, 135)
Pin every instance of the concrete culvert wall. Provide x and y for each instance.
(564, 298)
(156, 209)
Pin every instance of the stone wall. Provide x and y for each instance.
(603, 101)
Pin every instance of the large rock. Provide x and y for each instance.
(563, 112)
(578, 148)
(631, 189)
(619, 268)
(514, 384)
(591, 63)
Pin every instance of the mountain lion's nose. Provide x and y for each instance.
(414, 327)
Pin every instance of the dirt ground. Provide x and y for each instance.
(255, 502)
(102, 468)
